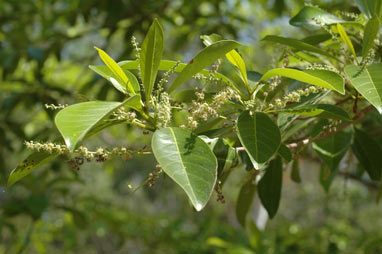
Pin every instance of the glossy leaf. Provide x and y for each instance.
(369, 154)
(30, 164)
(117, 71)
(346, 39)
(333, 148)
(259, 135)
(371, 31)
(106, 73)
(74, 122)
(285, 152)
(368, 82)
(309, 17)
(325, 111)
(269, 187)
(150, 57)
(297, 44)
(295, 172)
(322, 78)
(188, 160)
(203, 59)
(244, 200)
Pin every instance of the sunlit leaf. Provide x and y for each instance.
(368, 82)
(311, 17)
(74, 122)
(203, 59)
(150, 57)
(322, 78)
(117, 71)
(188, 160)
(106, 73)
(346, 39)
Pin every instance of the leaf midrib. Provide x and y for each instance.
(183, 167)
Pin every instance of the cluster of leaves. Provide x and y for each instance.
(200, 136)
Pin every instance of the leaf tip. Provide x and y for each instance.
(198, 207)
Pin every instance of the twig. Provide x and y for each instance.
(357, 118)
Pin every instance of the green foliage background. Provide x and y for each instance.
(45, 49)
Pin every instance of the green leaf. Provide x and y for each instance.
(117, 71)
(297, 44)
(369, 8)
(188, 160)
(317, 38)
(238, 62)
(244, 200)
(369, 154)
(325, 111)
(309, 17)
(285, 152)
(30, 164)
(76, 121)
(368, 82)
(295, 173)
(322, 78)
(166, 65)
(259, 135)
(150, 57)
(232, 56)
(106, 73)
(225, 154)
(269, 187)
(347, 40)
(203, 59)
(327, 176)
(333, 148)
(371, 31)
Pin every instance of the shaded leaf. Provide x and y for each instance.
(285, 152)
(369, 154)
(322, 78)
(327, 176)
(295, 172)
(30, 164)
(325, 111)
(188, 160)
(244, 200)
(259, 135)
(150, 57)
(74, 122)
(369, 7)
(269, 187)
(203, 59)
(333, 148)
(297, 44)
(367, 81)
